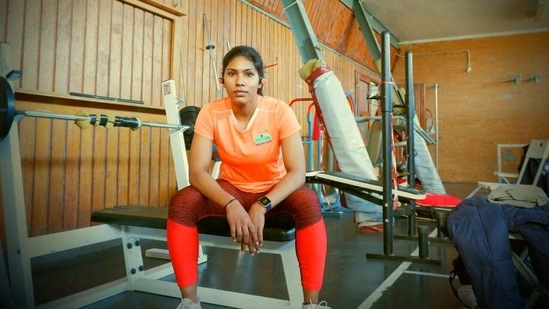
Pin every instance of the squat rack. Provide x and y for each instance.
(309, 48)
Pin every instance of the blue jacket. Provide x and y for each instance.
(480, 231)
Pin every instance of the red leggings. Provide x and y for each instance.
(188, 206)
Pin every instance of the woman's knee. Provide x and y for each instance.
(182, 204)
(305, 207)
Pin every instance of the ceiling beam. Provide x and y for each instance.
(303, 31)
(369, 19)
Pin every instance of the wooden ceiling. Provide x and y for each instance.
(335, 26)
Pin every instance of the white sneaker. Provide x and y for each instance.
(467, 296)
(321, 305)
(188, 304)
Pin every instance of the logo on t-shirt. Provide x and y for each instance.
(262, 137)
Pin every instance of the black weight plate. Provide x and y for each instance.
(7, 107)
(188, 116)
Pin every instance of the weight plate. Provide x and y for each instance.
(188, 116)
(7, 107)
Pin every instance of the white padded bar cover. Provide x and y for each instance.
(345, 139)
(425, 169)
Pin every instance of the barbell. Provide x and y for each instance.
(8, 112)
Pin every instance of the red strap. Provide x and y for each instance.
(315, 74)
(316, 127)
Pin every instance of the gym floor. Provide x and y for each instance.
(351, 280)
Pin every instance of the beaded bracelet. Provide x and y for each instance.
(225, 207)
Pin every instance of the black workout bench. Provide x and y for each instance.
(142, 222)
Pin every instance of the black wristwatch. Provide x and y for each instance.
(266, 203)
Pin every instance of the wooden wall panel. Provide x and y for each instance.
(101, 71)
(46, 56)
(137, 55)
(104, 48)
(57, 168)
(76, 55)
(62, 48)
(71, 199)
(27, 141)
(30, 62)
(111, 162)
(115, 50)
(85, 177)
(42, 159)
(123, 176)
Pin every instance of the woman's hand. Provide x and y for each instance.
(257, 215)
(243, 229)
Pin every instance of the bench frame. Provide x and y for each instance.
(149, 280)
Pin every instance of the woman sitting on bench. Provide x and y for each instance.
(262, 174)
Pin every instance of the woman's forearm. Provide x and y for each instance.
(288, 184)
(209, 187)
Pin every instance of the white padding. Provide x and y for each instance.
(424, 167)
(347, 143)
(340, 122)
(362, 185)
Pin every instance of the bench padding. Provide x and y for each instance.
(278, 228)
(142, 216)
(359, 186)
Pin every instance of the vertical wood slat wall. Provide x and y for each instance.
(124, 49)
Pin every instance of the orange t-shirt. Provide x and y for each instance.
(251, 159)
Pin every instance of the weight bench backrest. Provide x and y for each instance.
(278, 228)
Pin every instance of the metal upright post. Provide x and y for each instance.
(386, 114)
(436, 126)
(386, 120)
(410, 140)
(411, 113)
(15, 220)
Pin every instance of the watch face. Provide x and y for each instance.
(265, 201)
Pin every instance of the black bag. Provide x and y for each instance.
(459, 271)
